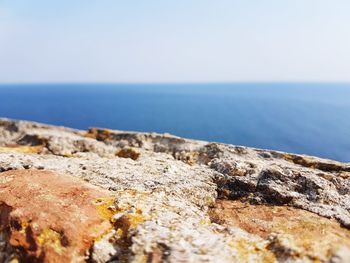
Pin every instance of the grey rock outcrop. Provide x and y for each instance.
(178, 200)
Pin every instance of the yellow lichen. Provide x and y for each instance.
(24, 225)
(22, 149)
(128, 221)
(136, 219)
(49, 237)
(105, 207)
(142, 259)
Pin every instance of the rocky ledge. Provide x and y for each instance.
(111, 196)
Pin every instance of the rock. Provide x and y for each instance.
(291, 232)
(113, 196)
(128, 153)
(51, 216)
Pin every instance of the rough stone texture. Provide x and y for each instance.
(166, 199)
(292, 232)
(51, 216)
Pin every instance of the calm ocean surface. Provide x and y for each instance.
(301, 118)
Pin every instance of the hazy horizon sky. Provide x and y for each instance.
(174, 41)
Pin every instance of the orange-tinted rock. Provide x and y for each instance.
(98, 134)
(21, 149)
(51, 217)
(128, 153)
(311, 235)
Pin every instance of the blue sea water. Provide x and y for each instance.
(301, 118)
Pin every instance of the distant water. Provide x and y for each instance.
(302, 118)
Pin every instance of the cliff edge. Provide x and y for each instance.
(112, 196)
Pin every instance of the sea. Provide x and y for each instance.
(304, 118)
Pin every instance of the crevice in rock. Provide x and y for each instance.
(275, 187)
(32, 140)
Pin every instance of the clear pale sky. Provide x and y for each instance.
(174, 41)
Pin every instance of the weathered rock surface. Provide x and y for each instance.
(111, 196)
(51, 216)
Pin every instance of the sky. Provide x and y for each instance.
(174, 41)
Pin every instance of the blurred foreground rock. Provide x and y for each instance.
(111, 196)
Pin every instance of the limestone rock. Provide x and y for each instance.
(112, 196)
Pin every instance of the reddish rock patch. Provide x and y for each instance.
(128, 153)
(313, 236)
(50, 217)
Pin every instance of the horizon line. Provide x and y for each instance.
(171, 83)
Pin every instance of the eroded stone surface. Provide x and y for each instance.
(290, 232)
(50, 217)
(163, 191)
